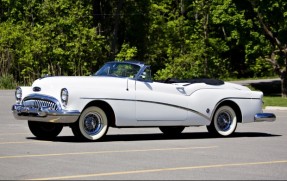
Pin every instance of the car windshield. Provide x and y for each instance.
(118, 69)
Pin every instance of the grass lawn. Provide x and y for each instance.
(272, 93)
(275, 101)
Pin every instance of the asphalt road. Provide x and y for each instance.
(256, 152)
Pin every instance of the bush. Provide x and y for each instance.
(7, 82)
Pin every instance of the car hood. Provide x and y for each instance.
(51, 84)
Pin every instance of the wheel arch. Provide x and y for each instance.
(233, 105)
(106, 108)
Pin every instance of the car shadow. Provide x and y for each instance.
(158, 136)
(268, 88)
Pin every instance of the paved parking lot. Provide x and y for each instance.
(256, 152)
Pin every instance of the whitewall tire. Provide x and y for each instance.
(92, 124)
(224, 121)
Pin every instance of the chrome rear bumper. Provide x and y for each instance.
(44, 114)
(260, 117)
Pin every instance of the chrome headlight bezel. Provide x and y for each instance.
(18, 94)
(64, 96)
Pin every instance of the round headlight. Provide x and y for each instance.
(18, 94)
(64, 96)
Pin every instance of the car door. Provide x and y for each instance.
(160, 103)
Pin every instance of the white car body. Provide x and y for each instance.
(136, 101)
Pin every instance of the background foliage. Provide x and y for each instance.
(179, 38)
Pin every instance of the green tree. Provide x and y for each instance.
(181, 38)
(272, 18)
(205, 31)
(122, 22)
(51, 37)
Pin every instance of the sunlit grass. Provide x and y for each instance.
(275, 101)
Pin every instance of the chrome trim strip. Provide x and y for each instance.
(260, 117)
(152, 102)
(172, 105)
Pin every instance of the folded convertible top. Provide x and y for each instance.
(198, 80)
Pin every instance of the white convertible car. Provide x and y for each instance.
(122, 94)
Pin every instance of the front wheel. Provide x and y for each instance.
(224, 122)
(92, 124)
(44, 130)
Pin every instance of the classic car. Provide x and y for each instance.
(123, 94)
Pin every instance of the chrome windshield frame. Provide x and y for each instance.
(141, 69)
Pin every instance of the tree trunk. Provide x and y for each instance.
(284, 87)
(281, 73)
(97, 15)
(114, 45)
(284, 81)
(206, 11)
(278, 48)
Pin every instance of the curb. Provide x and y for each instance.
(276, 108)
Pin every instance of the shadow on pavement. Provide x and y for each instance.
(158, 136)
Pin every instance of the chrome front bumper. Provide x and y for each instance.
(44, 114)
(260, 117)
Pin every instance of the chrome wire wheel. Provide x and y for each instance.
(92, 124)
(224, 122)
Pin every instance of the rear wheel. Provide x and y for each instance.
(171, 130)
(44, 130)
(92, 124)
(224, 122)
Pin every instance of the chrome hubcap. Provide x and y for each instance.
(224, 121)
(92, 124)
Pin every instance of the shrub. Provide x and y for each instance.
(7, 82)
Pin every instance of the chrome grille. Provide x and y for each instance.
(41, 103)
